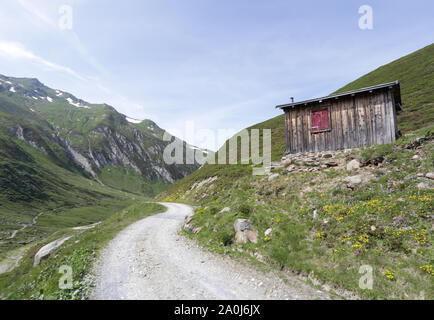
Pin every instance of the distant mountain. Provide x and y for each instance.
(93, 140)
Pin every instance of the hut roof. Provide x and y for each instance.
(394, 85)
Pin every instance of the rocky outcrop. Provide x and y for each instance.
(243, 231)
(84, 137)
(311, 162)
(46, 250)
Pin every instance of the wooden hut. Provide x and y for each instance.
(353, 119)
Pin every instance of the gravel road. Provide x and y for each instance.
(151, 260)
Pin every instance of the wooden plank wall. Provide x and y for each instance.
(356, 121)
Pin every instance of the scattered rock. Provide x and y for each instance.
(241, 225)
(273, 177)
(188, 219)
(415, 157)
(48, 249)
(291, 168)
(188, 228)
(353, 165)
(308, 189)
(315, 214)
(423, 185)
(86, 227)
(358, 179)
(373, 228)
(354, 180)
(331, 164)
(268, 232)
(197, 230)
(287, 162)
(430, 175)
(399, 222)
(226, 209)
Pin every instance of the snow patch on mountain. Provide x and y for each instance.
(133, 120)
(78, 105)
(12, 89)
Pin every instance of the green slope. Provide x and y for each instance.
(386, 223)
(416, 75)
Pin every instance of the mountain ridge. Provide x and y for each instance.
(94, 137)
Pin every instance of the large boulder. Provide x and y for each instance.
(46, 250)
(241, 225)
(243, 231)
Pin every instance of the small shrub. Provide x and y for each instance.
(213, 210)
(245, 209)
(226, 237)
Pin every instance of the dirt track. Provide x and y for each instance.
(150, 260)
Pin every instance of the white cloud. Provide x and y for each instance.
(69, 35)
(29, 7)
(16, 50)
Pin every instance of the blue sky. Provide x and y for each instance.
(222, 64)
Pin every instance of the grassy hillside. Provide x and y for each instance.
(39, 197)
(323, 228)
(326, 228)
(416, 75)
(79, 252)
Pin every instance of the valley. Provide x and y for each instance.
(316, 220)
